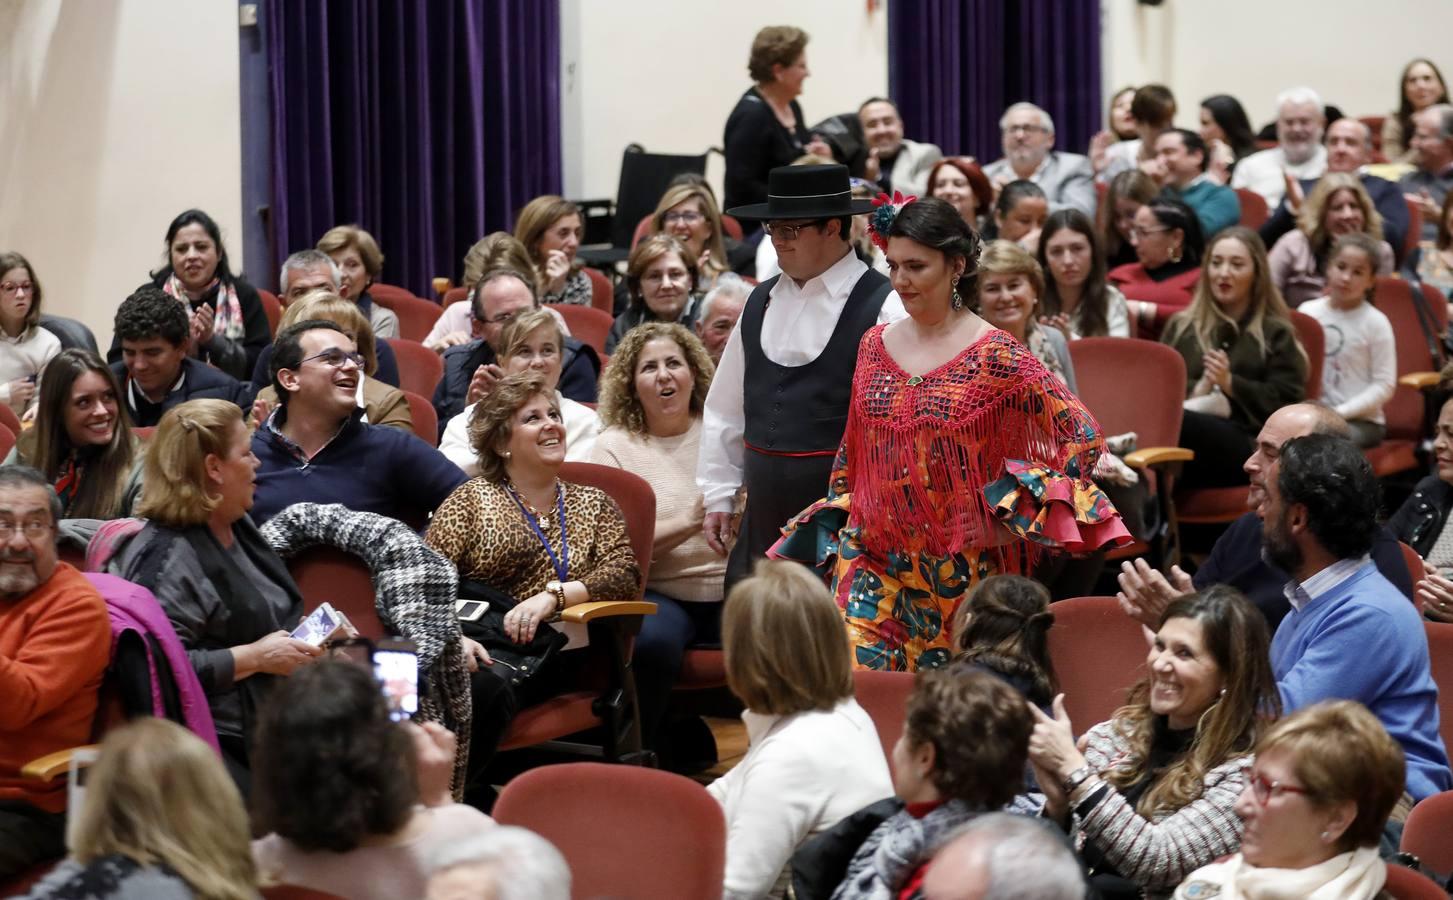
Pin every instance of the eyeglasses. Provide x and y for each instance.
(784, 231)
(1024, 129)
(336, 358)
(1263, 788)
(503, 318)
(685, 218)
(1135, 233)
(31, 530)
(15, 287)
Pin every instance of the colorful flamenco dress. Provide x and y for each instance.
(942, 480)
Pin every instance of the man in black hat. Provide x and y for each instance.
(779, 402)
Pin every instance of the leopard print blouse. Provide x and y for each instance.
(483, 532)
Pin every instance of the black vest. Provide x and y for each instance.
(794, 410)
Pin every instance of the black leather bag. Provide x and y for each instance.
(515, 662)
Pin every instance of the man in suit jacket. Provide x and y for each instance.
(894, 163)
(1066, 178)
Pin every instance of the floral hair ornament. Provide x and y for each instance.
(885, 210)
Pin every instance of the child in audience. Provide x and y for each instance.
(1360, 372)
(1019, 214)
(814, 755)
(25, 348)
(1003, 629)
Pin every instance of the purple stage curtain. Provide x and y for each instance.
(955, 65)
(428, 124)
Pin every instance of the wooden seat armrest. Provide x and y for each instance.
(1146, 457)
(53, 765)
(1423, 381)
(441, 286)
(582, 613)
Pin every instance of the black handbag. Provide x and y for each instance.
(514, 662)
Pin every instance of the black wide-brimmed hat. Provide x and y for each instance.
(806, 192)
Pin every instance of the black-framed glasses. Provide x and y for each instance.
(785, 231)
(1264, 789)
(336, 357)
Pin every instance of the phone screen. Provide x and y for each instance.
(397, 670)
(317, 627)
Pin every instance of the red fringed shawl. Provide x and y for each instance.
(920, 450)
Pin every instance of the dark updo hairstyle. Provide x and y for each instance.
(329, 767)
(937, 225)
(1230, 117)
(1173, 213)
(195, 217)
(1004, 626)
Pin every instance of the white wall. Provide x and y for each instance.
(115, 115)
(1350, 51)
(665, 74)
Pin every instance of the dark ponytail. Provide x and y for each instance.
(1004, 625)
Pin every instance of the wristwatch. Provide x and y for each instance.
(1077, 778)
(558, 589)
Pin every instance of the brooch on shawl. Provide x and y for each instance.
(885, 210)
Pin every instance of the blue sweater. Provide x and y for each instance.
(1214, 204)
(1364, 641)
(367, 468)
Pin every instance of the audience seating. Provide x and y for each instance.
(1405, 884)
(625, 832)
(328, 574)
(454, 295)
(1414, 563)
(605, 697)
(1428, 833)
(1374, 124)
(72, 333)
(416, 316)
(602, 293)
(1314, 341)
(441, 285)
(1099, 654)
(884, 697)
(586, 323)
(1103, 366)
(1254, 212)
(420, 369)
(273, 307)
(1440, 650)
(9, 419)
(296, 892)
(1407, 411)
(423, 417)
(1415, 230)
(7, 440)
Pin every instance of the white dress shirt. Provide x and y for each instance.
(1263, 171)
(795, 330)
(581, 427)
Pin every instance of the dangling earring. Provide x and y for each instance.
(958, 301)
(1175, 254)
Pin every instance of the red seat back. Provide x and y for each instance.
(626, 831)
(416, 317)
(1374, 125)
(455, 294)
(884, 697)
(1393, 296)
(1405, 884)
(1428, 832)
(1098, 653)
(1414, 562)
(1415, 229)
(1313, 340)
(273, 308)
(9, 419)
(1253, 208)
(7, 439)
(633, 494)
(1440, 651)
(1105, 365)
(586, 323)
(327, 574)
(420, 369)
(602, 293)
(424, 418)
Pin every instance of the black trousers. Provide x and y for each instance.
(1221, 447)
(28, 837)
(778, 488)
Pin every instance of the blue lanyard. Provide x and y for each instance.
(561, 562)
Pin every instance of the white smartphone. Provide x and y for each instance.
(396, 666)
(319, 626)
(470, 610)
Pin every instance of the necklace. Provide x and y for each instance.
(560, 562)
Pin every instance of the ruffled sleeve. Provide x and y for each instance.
(814, 536)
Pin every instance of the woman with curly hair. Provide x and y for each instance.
(353, 802)
(1152, 796)
(651, 399)
(1338, 205)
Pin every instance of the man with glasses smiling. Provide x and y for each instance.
(1028, 135)
(779, 402)
(55, 643)
(315, 448)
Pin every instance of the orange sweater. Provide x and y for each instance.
(55, 644)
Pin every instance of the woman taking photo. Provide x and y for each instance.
(960, 182)
(1152, 795)
(813, 755)
(525, 533)
(1338, 205)
(25, 348)
(1227, 133)
(1313, 810)
(82, 440)
(229, 326)
(944, 382)
(766, 128)
(661, 275)
(1076, 298)
(532, 342)
(1168, 245)
(1010, 283)
(1243, 360)
(161, 820)
(352, 802)
(651, 400)
(227, 594)
(1420, 86)
(361, 262)
(550, 228)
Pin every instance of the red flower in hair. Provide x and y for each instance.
(885, 210)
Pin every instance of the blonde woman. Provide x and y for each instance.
(550, 228)
(382, 404)
(1338, 206)
(688, 213)
(361, 262)
(161, 820)
(1243, 359)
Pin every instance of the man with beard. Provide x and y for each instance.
(894, 163)
(1029, 155)
(1299, 152)
(1236, 558)
(1350, 634)
(55, 641)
